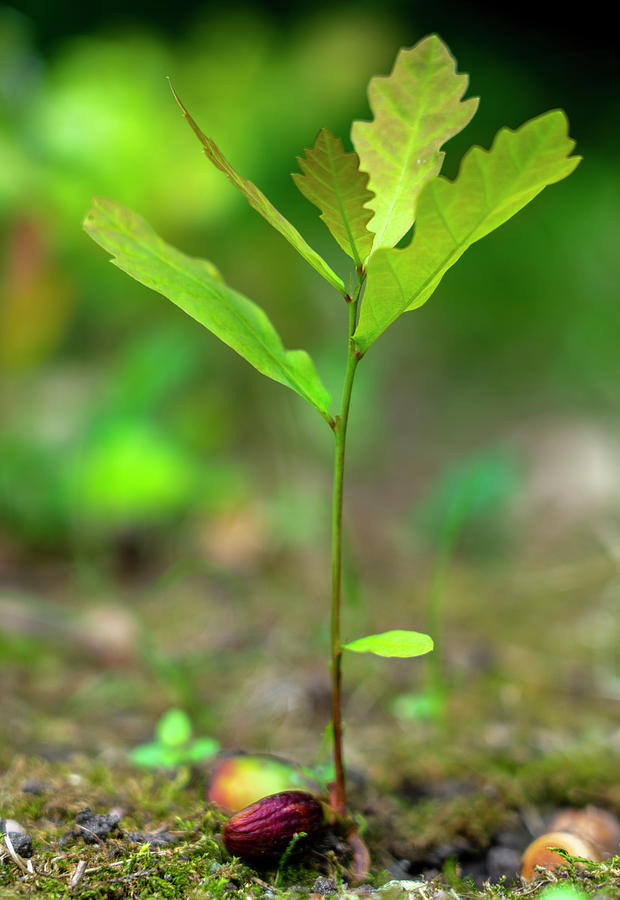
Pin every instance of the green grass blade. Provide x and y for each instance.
(197, 288)
(332, 181)
(261, 204)
(416, 109)
(404, 644)
(492, 185)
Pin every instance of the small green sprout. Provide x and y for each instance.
(386, 189)
(173, 745)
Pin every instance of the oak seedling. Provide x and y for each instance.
(370, 198)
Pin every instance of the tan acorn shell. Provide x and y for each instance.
(596, 826)
(539, 853)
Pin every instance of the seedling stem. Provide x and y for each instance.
(339, 796)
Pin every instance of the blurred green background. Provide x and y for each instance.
(141, 461)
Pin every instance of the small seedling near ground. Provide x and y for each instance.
(174, 745)
(369, 199)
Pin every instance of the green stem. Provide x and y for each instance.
(339, 799)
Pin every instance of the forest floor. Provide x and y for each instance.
(445, 806)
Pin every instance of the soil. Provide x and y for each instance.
(446, 807)
(165, 841)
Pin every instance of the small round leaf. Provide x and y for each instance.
(174, 729)
(149, 756)
(200, 749)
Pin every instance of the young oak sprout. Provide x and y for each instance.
(369, 199)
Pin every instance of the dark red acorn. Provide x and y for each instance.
(260, 833)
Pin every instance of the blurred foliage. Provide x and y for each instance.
(117, 411)
(174, 745)
(472, 500)
(474, 491)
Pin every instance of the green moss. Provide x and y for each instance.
(197, 866)
(194, 866)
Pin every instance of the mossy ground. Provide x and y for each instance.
(496, 795)
(531, 722)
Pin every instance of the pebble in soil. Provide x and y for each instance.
(20, 840)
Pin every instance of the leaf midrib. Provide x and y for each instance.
(343, 215)
(413, 134)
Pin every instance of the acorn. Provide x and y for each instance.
(594, 825)
(539, 852)
(241, 779)
(261, 833)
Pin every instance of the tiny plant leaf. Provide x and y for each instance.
(261, 204)
(392, 643)
(492, 185)
(195, 286)
(153, 756)
(173, 745)
(200, 749)
(416, 109)
(332, 181)
(174, 728)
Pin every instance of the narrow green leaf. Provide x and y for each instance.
(332, 181)
(261, 204)
(392, 643)
(197, 288)
(416, 109)
(492, 185)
